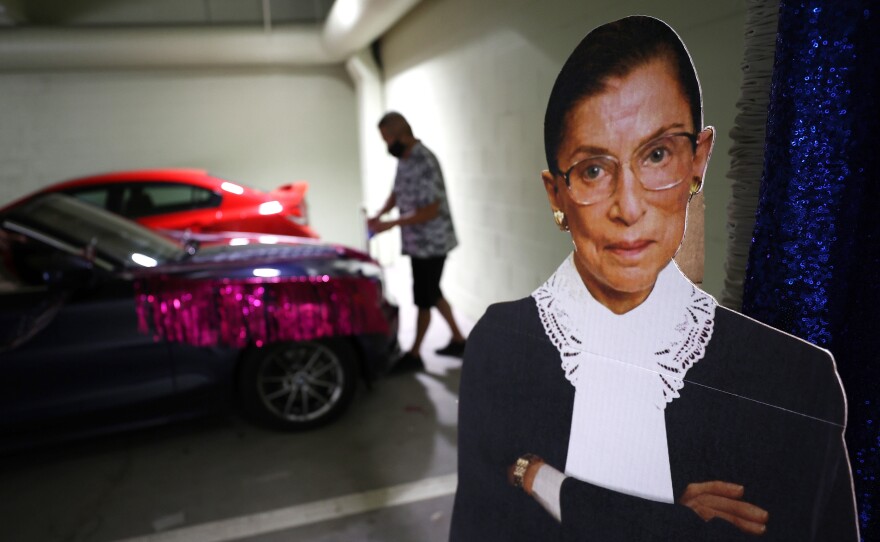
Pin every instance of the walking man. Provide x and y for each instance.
(426, 228)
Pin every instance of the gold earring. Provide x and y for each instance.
(695, 187)
(559, 218)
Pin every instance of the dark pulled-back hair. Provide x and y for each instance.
(612, 50)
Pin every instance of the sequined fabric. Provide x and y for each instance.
(256, 312)
(815, 256)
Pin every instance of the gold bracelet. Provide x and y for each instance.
(520, 468)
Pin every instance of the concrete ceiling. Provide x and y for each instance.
(164, 13)
(132, 34)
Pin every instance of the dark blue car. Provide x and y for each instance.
(105, 324)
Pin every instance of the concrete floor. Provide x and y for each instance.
(224, 479)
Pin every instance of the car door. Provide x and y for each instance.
(76, 350)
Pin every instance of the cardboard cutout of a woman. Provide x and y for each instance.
(619, 401)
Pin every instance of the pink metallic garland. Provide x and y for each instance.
(255, 312)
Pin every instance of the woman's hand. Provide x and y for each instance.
(724, 500)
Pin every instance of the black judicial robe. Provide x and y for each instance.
(761, 409)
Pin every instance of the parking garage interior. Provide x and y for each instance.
(269, 92)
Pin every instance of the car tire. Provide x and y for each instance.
(298, 385)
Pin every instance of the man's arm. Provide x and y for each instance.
(390, 203)
(374, 223)
(420, 215)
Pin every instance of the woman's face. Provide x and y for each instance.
(623, 242)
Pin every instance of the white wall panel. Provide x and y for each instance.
(473, 78)
(260, 127)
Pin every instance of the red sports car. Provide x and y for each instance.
(180, 199)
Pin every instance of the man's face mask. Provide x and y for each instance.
(396, 149)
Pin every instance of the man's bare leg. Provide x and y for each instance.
(422, 321)
(446, 313)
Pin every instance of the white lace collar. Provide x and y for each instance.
(666, 334)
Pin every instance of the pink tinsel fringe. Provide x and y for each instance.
(247, 312)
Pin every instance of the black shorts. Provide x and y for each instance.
(426, 273)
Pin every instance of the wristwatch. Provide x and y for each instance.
(521, 466)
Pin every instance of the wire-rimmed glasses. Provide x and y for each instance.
(659, 164)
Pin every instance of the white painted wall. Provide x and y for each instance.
(473, 78)
(377, 166)
(259, 127)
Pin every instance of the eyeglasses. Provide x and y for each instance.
(659, 164)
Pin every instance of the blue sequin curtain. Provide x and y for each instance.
(814, 264)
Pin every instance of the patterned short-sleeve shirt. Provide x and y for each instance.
(418, 183)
